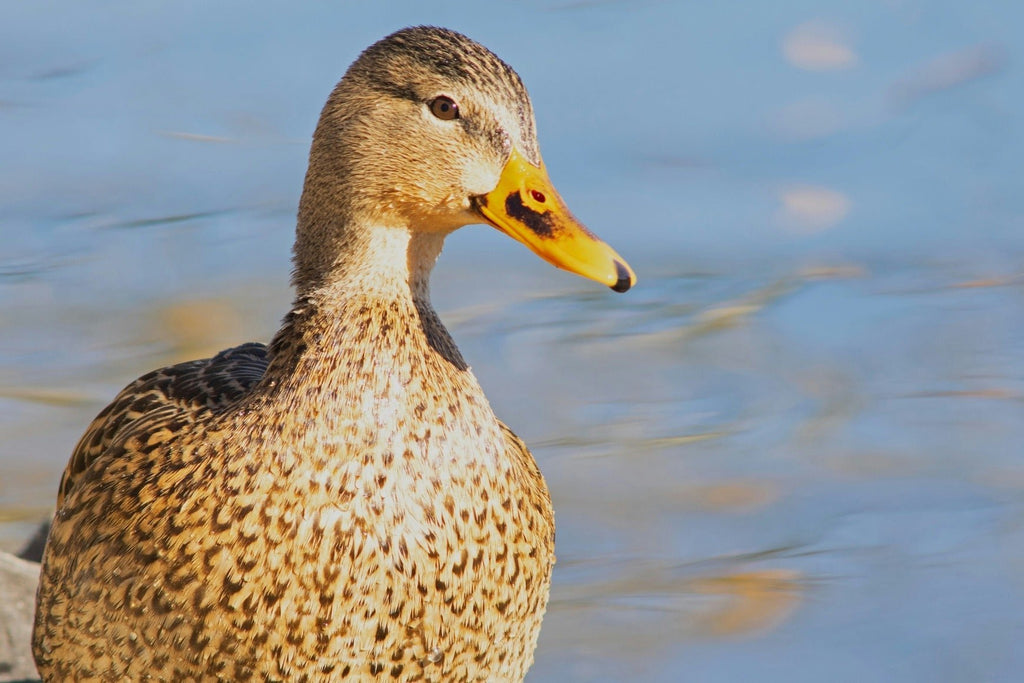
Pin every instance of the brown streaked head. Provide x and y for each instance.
(430, 131)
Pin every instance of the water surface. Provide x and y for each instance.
(791, 453)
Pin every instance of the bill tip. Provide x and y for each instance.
(625, 280)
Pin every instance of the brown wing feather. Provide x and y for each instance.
(516, 450)
(182, 392)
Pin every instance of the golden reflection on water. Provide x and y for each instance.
(652, 607)
(736, 496)
(818, 45)
(45, 396)
(755, 600)
(198, 328)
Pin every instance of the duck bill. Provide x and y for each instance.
(526, 207)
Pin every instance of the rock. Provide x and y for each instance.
(18, 580)
(33, 550)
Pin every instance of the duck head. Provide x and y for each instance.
(429, 131)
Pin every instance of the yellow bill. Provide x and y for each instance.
(525, 206)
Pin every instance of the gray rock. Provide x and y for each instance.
(18, 580)
(33, 550)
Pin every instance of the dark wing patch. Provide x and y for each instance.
(176, 394)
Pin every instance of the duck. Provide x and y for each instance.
(342, 503)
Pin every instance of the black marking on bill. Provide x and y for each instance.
(540, 223)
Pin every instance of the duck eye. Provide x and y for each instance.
(444, 108)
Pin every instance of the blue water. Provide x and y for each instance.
(792, 453)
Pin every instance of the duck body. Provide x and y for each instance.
(413, 559)
(342, 504)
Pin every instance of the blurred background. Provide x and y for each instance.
(792, 453)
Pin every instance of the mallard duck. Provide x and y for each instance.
(343, 503)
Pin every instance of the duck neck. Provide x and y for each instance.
(387, 263)
(370, 314)
(363, 363)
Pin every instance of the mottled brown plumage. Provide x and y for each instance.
(342, 504)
